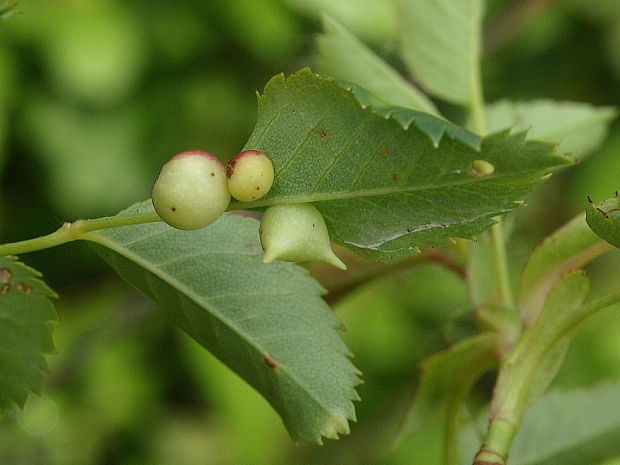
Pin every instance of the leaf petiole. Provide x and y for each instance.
(76, 230)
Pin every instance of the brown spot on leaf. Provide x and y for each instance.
(384, 150)
(212, 174)
(174, 209)
(5, 275)
(395, 177)
(25, 288)
(320, 132)
(5, 289)
(270, 362)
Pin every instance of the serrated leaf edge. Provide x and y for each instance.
(334, 419)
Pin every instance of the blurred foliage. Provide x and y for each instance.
(96, 94)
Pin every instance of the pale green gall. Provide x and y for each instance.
(191, 190)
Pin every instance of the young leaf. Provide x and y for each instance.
(25, 331)
(440, 43)
(579, 128)
(578, 427)
(388, 180)
(343, 56)
(604, 219)
(447, 378)
(570, 247)
(566, 297)
(532, 364)
(268, 323)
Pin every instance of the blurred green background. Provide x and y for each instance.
(96, 94)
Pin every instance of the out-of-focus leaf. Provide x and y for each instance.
(85, 156)
(25, 331)
(98, 54)
(267, 29)
(447, 378)
(388, 180)
(568, 294)
(531, 365)
(579, 128)
(440, 43)
(7, 9)
(578, 427)
(343, 56)
(570, 247)
(266, 322)
(374, 21)
(604, 219)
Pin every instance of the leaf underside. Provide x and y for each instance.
(343, 56)
(25, 331)
(447, 378)
(604, 219)
(568, 248)
(579, 427)
(578, 128)
(268, 323)
(388, 180)
(441, 45)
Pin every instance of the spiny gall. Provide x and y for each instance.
(250, 175)
(296, 233)
(191, 190)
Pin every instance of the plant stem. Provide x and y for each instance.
(500, 264)
(521, 369)
(73, 231)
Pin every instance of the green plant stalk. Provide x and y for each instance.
(498, 240)
(522, 367)
(69, 232)
(500, 264)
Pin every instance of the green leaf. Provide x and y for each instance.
(25, 331)
(343, 56)
(388, 180)
(447, 378)
(374, 21)
(568, 248)
(578, 427)
(567, 295)
(441, 45)
(7, 9)
(531, 366)
(604, 219)
(268, 323)
(579, 128)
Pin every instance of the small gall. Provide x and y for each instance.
(249, 175)
(191, 190)
(482, 168)
(296, 233)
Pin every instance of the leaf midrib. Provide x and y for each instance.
(376, 192)
(196, 299)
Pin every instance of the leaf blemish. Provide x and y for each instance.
(5, 289)
(384, 150)
(321, 133)
(25, 288)
(270, 362)
(5, 275)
